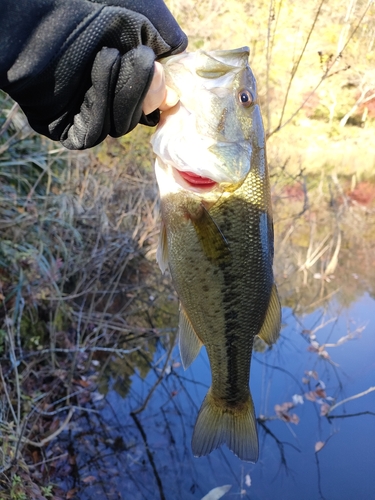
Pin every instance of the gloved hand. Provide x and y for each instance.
(80, 69)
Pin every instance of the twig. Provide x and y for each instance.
(121, 327)
(323, 325)
(161, 376)
(313, 256)
(319, 477)
(13, 360)
(6, 124)
(283, 370)
(296, 65)
(82, 350)
(7, 395)
(49, 438)
(280, 444)
(64, 408)
(21, 307)
(149, 455)
(325, 298)
(272, 17)
(348, 415)
(52, 459)
(326, 74)
(356, 396)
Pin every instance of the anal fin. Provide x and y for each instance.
(189, 342)
(272, 322)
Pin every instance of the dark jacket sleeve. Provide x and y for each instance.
(80, 69)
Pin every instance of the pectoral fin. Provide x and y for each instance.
(189, 342)
(271, 325)
(162, 251)
(213, 242)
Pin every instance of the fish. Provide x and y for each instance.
(216, 234)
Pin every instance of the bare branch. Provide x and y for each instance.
(296, 66)
(356, 396)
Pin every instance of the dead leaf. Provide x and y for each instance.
(96, 396)
(294, 419)
(36, 456)
(318, 446)
(321, 393)
(323, 353)
(61, 374)
(312, 348)
(82, 383)
(314, 395)
(71, 493)
(282, 413)
(217, 493)
(284, 407)
(297, 399)
(89, 479)
(324, 409)
(310, 396)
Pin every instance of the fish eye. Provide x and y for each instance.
(245, 97)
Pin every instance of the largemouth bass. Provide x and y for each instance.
(217, 234)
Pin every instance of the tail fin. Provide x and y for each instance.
(217, 424)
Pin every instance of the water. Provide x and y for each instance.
(134, 443)
(147, 455)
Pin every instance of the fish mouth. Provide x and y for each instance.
(197, 181)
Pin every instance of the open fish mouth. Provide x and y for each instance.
(197, 181)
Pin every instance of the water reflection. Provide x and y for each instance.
(139, 447)
(313, 392)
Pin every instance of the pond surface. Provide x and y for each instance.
(320, 360)
(314, 391)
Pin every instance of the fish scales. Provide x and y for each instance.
(215, 294)
(218, 245)
(247, 271)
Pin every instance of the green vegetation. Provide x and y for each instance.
(82, 303)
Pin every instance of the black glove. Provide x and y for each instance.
(80, 69)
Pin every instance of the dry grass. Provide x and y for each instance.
(76, 291)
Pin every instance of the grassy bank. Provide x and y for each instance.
(77, 294)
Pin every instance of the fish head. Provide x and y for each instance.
(217, 125)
